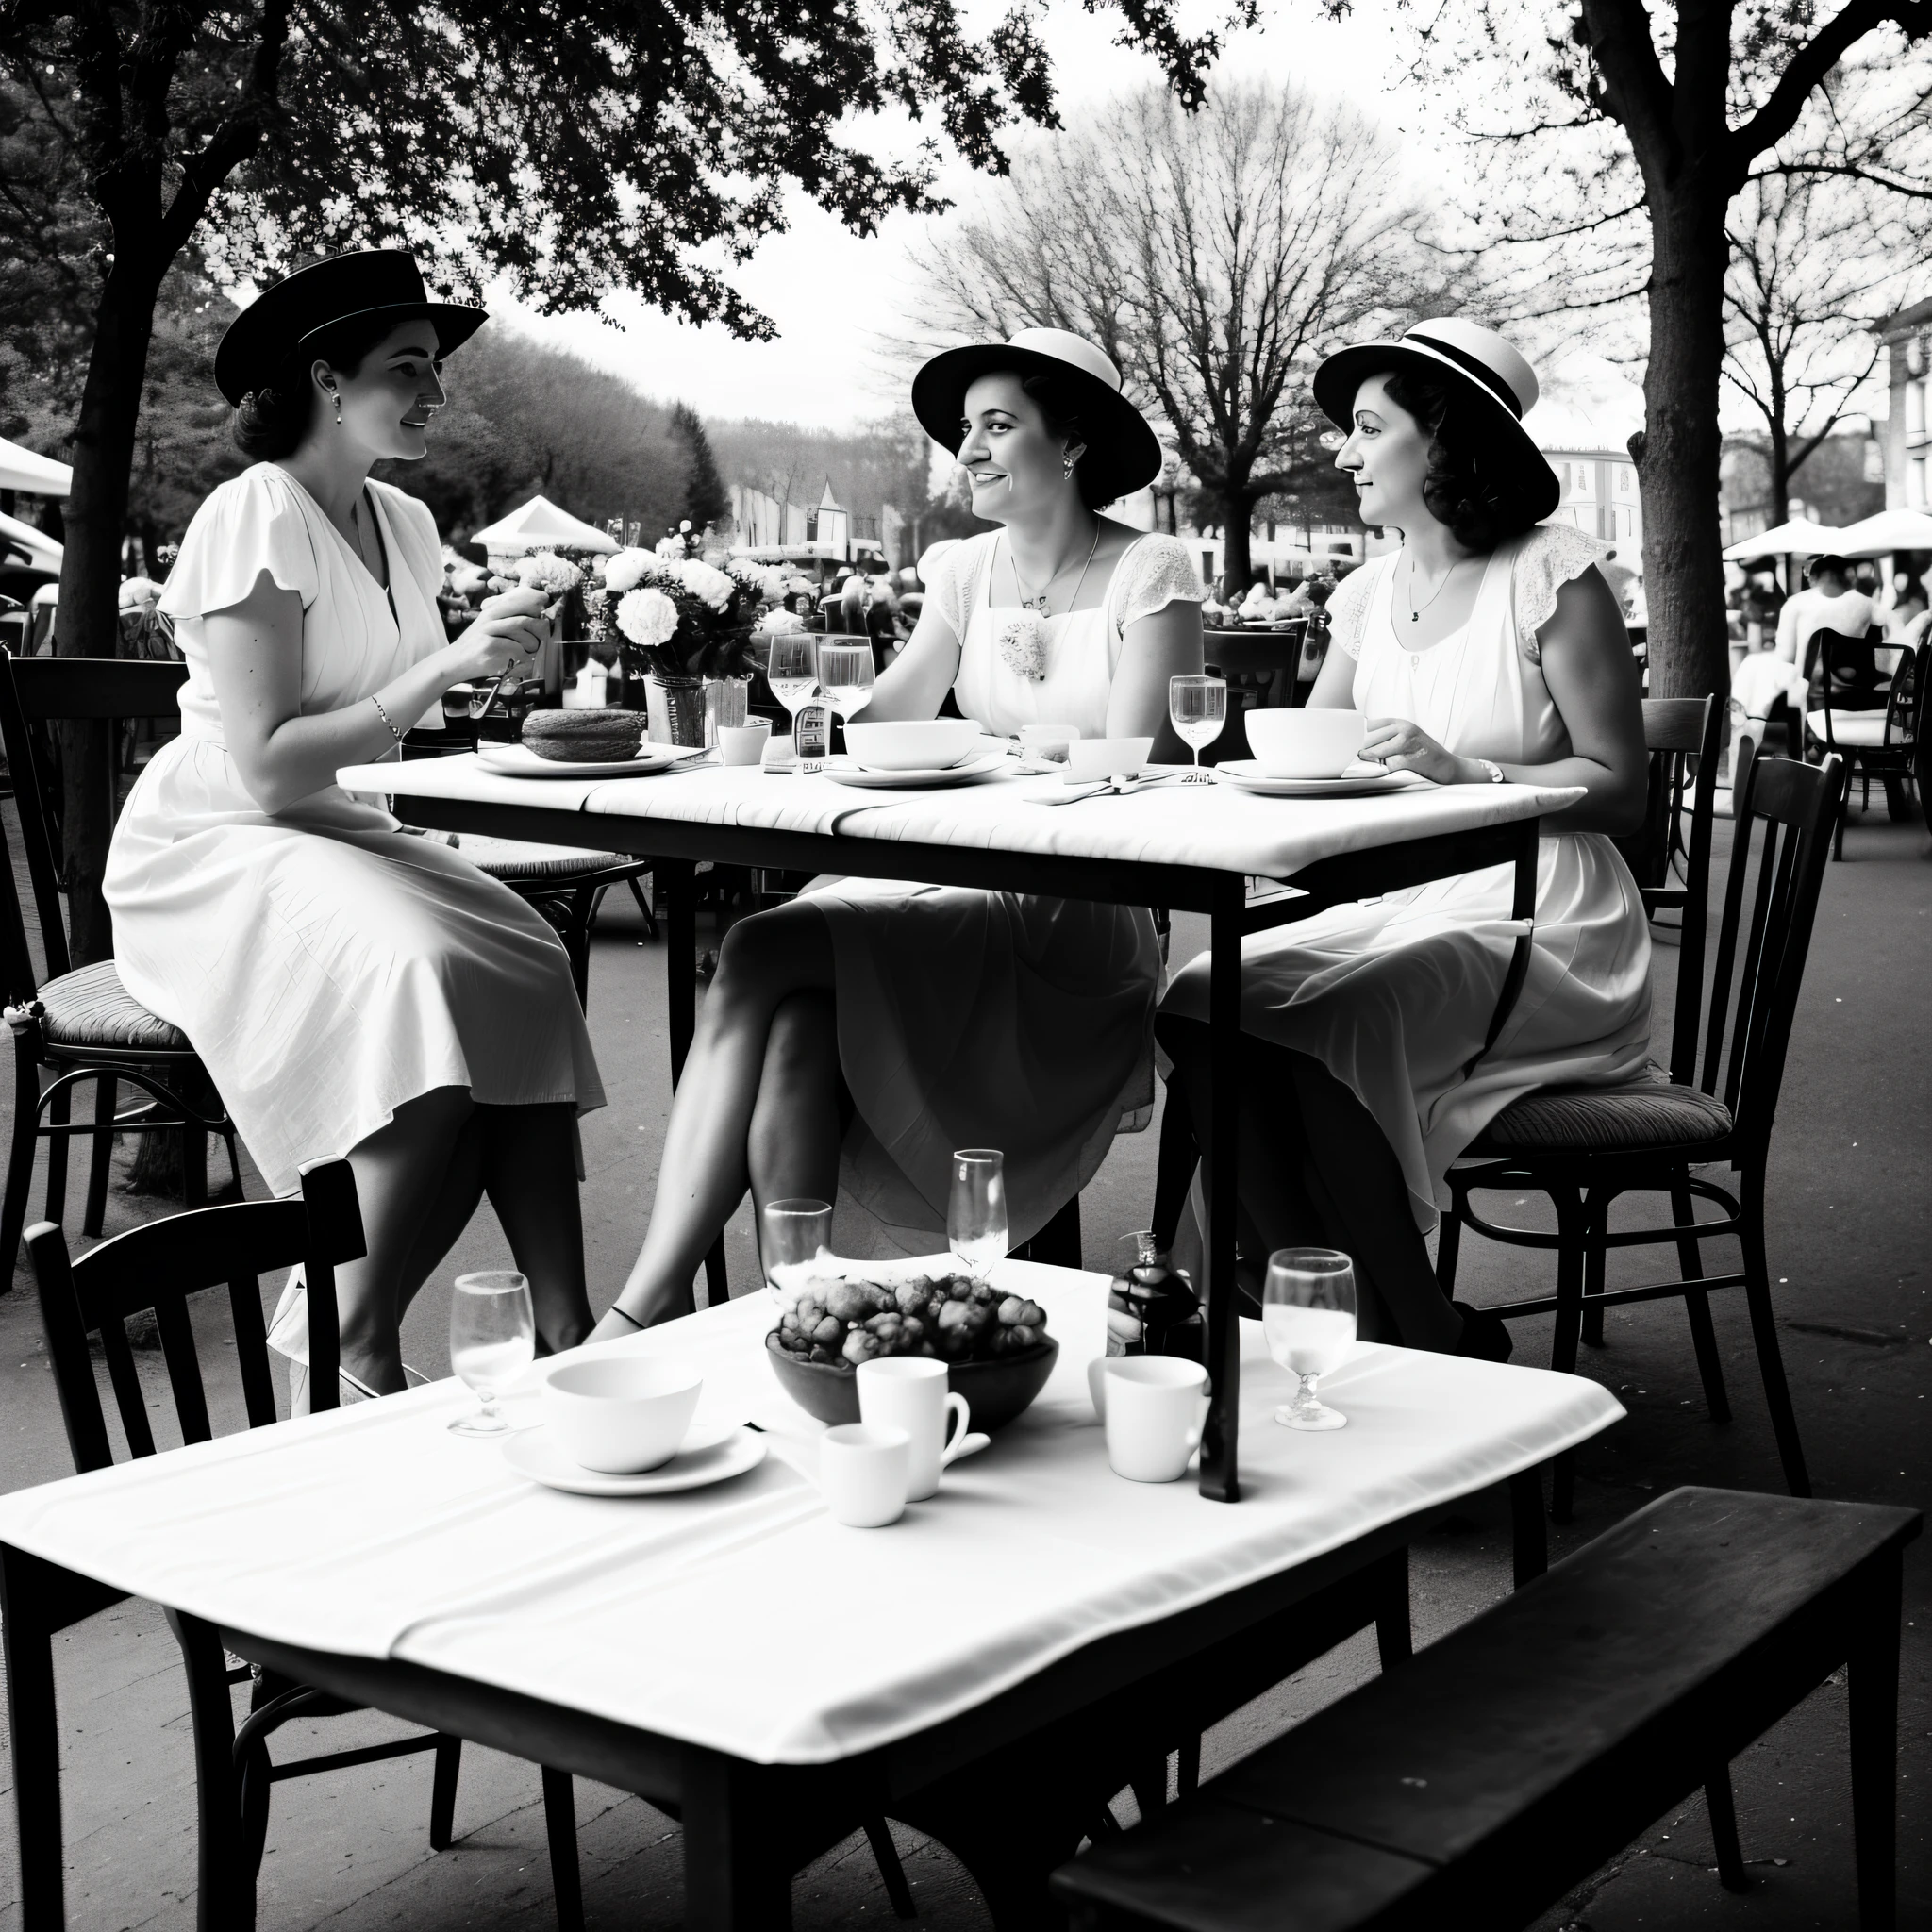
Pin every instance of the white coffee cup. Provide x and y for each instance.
(622, 1414)
(1156, 1408)
(906, 1392)
(1305, 743)
(1094, 760)
(743, 745)
(863, 1468)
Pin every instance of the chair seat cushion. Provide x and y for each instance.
(1607, 1120)
(518, 864)
(90, 1008)
(1862, 730)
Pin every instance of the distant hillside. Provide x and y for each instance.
(869, 468)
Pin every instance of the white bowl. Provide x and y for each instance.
(623, 1414)
(1304, 745)
(1091, 759)
(916, 745)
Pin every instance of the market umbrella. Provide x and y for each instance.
(1801, 537)
(42, 553)
(24, 468)
(541, 525)
(1884, 535)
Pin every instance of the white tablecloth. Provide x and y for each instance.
(1212, 826)
(740, 1617)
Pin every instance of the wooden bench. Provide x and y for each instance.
(1478, 1783)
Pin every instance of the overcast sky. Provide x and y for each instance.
(817, 281)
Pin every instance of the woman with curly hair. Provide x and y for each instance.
(1487, 648)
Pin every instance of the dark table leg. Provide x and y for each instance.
(737, 1877)
(1218, 1477)
(226, 1880)
(678, 877)
(1873, 1674)
(1526, 1522)
(31, 1620)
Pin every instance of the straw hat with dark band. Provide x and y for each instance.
(373, 283)
(1123, 453)
(1478, 363)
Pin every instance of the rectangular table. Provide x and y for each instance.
(1186, 848)
(981, 1669)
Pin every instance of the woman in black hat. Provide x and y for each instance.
(906, 1020)
(1488, 649)
(350, 987)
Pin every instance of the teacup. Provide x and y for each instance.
(1092, 760)
(1155, 1408)
(743, 745)
(622, 1414)
(1305, 743)
(910, 1392)
(864, 1470)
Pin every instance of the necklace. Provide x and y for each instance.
(1038, 600)
(1415, 614)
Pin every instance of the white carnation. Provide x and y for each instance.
(647, 617)
(543, 570)
(672, 546)
(1021, 639)
(781, 622)
(626, 570)
(708, 586)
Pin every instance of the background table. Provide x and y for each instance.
(1189, 848)
(734, 1656)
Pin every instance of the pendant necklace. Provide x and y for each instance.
(1037, 602)
(1415, 614)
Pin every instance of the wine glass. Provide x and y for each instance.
(492, 1335)
(795, 1234)
(791, 671)
(976, 1213)
(1307, 1316)
(1198, 707)
(847, 675)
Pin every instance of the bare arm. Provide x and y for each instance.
(915, 683)
(255, 656)
(1165, 643)
(1335, 682)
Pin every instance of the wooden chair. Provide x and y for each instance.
(80, 1023)
(1479, 1782)
(1876, 739)
(1585, 1146)
(160, 1267)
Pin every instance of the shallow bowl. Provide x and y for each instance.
(914, 744)
(994, 1391)
(1090, 760)
(1305, 743)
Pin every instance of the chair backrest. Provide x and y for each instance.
(159, 1267)
(1844, 671)
(1901, 705)
(1681, 736)
(36, 691)
(1787, 811)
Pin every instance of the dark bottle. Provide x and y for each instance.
(1152, 1307)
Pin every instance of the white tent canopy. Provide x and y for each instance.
(1889, 531)
(1801, 537)
(541, 525)
(42, 552)
(22, 468)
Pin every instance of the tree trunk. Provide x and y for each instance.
(1780, 470)
(87, 625)
(1236, 558)
(1678, 454)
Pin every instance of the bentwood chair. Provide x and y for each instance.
(80, 1023)
(1878, 739)
(163, 1267)
(1586, 1147)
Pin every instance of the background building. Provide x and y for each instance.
(1903, 436)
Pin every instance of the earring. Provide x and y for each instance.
(1067, 466)
(338, 406)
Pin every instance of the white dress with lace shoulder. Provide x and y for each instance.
(327, 966)
(1395, 996)
(997, 1019)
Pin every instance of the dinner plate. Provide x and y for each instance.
(520, 761)
(710, 1455)
(967, 772)
(1246, 775)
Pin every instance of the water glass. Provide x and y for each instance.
(1198, 707)
(1307, 1317)
(976, 1213)
(493, 1339)
(791, 670)
(792, 1235)
(847, 675)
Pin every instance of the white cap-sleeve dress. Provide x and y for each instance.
(997, 1019)
(1395, 996)
(326, 965)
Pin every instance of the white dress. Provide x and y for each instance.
(326, 965)
(1395, 996)
(997, 1019)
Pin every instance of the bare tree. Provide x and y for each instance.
(1214, 256)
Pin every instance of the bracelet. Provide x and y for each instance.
(385, 717)
(626, 1314)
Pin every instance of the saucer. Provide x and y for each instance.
(710, 1455)
(967, 772)
(1245, 774)
(520, 761)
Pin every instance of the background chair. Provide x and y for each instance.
(160, 1267)
(1586, 1147)
(1869, 722)
(80, 1023)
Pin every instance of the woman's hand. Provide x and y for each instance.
(1400, 746)
(508, 627)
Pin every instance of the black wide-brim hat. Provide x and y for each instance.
(1123, 453)
(368, 282)
(1491, 373)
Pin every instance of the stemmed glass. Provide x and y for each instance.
(1307, 1317)
(492, 1336)
(976, 1213)
(847, 675)
(795, 1233)
(1198, 707)
(792, 671)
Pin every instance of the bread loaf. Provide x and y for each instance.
(593, 737)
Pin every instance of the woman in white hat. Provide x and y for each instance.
(1488, 649)
(857, 1036)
